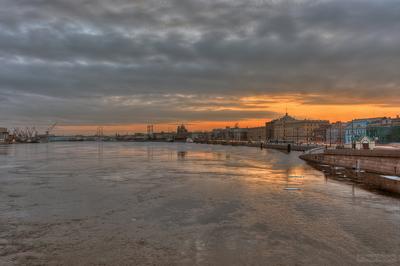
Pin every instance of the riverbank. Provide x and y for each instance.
(386, 163)
(276, 146)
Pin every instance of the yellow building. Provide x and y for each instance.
(256, 134)
(289, 129)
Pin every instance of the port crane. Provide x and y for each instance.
(50, 128)
(29, 135)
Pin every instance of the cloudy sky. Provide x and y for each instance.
(125, 63)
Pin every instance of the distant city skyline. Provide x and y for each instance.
(113, 128)
(196, 126)
(125, 64)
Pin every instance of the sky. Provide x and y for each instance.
(123, 64)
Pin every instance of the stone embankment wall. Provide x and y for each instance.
(376, 161)
(383, 183)
(293, 147)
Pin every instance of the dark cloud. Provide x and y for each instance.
(65, 60)
(125, 109)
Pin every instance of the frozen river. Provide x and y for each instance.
(185, 204)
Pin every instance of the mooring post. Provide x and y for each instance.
(358, 166)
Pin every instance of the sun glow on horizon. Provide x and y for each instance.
(299, 110)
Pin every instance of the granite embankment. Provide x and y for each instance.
(277, 146)
(384, 162)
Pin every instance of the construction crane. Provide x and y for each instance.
(150, 130)
(29, 134)
(100, 133)
(50, 128)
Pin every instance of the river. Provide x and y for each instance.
(89, 203)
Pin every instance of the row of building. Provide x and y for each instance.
(291, 130)
(286, 129)
(4, 135)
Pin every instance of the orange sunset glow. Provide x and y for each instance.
(332, 113)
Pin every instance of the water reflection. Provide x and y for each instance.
(352, 178)
(181, 155)
(4, 149)
(150, 152)
(186, 204)
(100, 151)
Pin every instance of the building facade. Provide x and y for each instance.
(385, 131)
(357, 129)
(256, 134)
(335, 133)
(289, 129)
(200, 136)
(218, 134)
(239, 134)
(4, 135)
(269, 131)
(319, 134)
(229, 134)
(181, 133)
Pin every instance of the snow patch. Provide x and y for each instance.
(392, 177)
